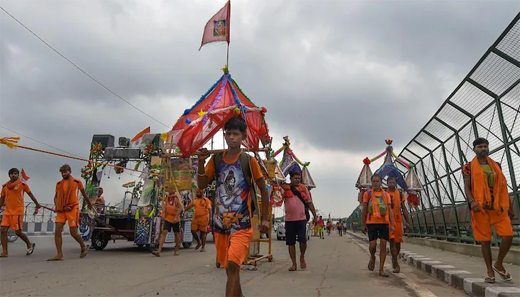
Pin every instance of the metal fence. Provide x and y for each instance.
(485, 104)
(43, 215)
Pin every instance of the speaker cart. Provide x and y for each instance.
(136, 217)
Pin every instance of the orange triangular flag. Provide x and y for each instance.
(24, 176)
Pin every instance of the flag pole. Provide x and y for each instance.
(227, 55)
(228, 32)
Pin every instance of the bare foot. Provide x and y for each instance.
(55, 258)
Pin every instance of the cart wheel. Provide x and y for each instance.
(270, 258)
(140, 245)
(99, 241)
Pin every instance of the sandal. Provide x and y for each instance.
(3, 256)
(84, 253)
(156, 253)
(383, 274)
(293, 268)
(55, 259)
(372, 263)
(176, 253)
(303, 265)
(30, 250)
(503, 274)
(489, 279)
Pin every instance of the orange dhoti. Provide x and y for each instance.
(397, 235)
(200, 223)
(483, 220)
(14, 222)
(71, 216)
(234, 247)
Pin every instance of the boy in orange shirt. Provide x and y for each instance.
(201, 220)
(171, 216)
(12, 195)
(66, 201)
(377, 219)
(99, 201)
(486, 188)
(232, 217)
(398, 205)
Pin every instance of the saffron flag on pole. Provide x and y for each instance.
(24, 176)
(217, 28)
(136, 141)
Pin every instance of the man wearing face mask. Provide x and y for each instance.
(201, 220)
(486, 188)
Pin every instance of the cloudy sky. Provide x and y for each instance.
(338, 77)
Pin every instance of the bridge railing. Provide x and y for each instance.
(485, 104)
(43, 215)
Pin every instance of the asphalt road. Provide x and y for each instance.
(337, 266)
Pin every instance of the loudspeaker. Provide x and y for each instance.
(124, 142)
(106, 140)
(122, 153)
(152, 138)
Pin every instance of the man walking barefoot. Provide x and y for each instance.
(377, 219)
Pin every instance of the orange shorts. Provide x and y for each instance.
(483, 220)
(233, 248)
(71, 216)
(200, 224)
(15, 222)
(397, 235)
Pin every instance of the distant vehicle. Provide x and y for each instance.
(280, 231)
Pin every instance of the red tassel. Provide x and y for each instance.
(366, 161)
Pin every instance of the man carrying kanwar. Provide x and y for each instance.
(486, 189)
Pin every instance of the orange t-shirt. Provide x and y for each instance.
(14, 198)
(171, 211)
(202, 205)
(74, 197)
(395, 198)
(382, 197)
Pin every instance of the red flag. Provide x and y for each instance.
(217, 28)
(24, 176)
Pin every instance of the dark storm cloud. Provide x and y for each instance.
(342, 75)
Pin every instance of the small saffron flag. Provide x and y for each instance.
(136, 141)
(24, 176)
(217, 28)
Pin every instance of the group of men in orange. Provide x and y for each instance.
(235, 173)
(171, 216)
(66, 203)
(486, 190)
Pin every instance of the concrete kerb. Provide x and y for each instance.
(460, 279)
(37, 229)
